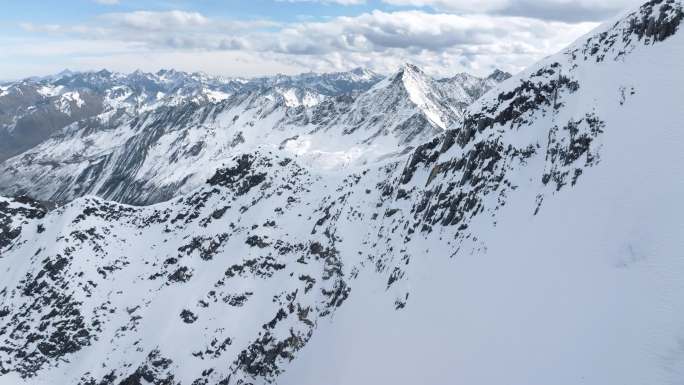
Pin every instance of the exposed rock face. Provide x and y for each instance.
(16, 212)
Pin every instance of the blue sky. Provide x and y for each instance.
(74, 11)
(259, 37)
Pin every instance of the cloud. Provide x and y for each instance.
(58, 29)
(558, 10)
(437, 41)
(441, 42)
(158, 30)
(377, 31)
(147, 20)
(107, 2)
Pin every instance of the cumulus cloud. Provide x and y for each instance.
(559, 10)
(147, 20)
(413, 30)
(170, 29)
(440, 42)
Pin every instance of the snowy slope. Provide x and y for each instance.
(541, 242)
(587, 290)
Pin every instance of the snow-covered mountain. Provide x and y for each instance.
(33, 109)
(144, 149)
(464, 89)
(538, 242)
(330, 84)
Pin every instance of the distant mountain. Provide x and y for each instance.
(330, 84)
(33, 109)
(143, 138)
(467, 88)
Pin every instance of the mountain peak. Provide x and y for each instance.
(361, 73)
(165, 71)
(65, 72)
(410, 68)
(138, 73)
(499, 75)
(104, 73)
(406, 71)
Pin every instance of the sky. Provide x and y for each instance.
(262, 37)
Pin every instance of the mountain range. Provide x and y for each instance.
(145, 138)
(398, 229)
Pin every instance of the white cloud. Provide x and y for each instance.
(147, 20)
(563, 10)
(440, 42)
(560, 10)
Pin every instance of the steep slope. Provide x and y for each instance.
(164, 147)
(404, 104)
(567, 262)
(540, 242)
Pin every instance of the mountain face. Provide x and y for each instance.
(28, 114)
(540, 241)
(160, 135)
(409, 105)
